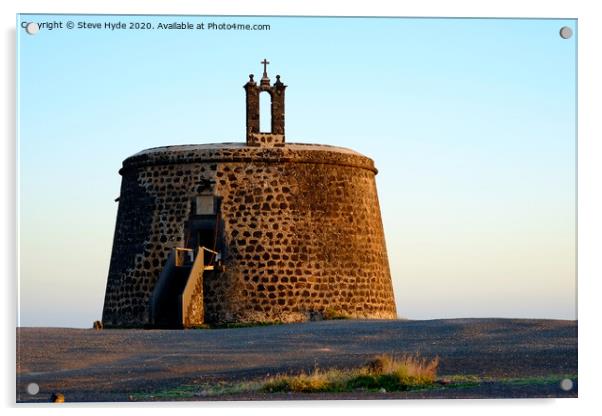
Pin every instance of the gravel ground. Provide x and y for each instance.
(112, 365)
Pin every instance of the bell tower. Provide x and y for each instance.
(275, 137)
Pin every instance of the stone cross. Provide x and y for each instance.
(265, 63)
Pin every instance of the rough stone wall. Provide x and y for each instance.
(132, 270)
(301, 233)
(153, 205)
(265, 140)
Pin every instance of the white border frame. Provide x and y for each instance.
(589, 199)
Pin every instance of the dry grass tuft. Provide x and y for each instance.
(408, 368)
(316, 381)
(332, 314)
(383, 372)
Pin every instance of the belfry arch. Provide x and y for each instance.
(265, 112)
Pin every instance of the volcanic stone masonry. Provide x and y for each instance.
(294, 232)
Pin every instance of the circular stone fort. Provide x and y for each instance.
(262, 231)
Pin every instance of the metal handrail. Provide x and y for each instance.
(209, 250)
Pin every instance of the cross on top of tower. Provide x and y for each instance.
(265, 63)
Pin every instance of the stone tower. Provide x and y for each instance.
(262, 231)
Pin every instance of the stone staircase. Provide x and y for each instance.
(177, 301)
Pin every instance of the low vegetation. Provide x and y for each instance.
(333, 314)
(383, 372)
(230, 325)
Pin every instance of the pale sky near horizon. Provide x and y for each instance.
(471, 123)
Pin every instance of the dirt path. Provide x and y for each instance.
(110, 365)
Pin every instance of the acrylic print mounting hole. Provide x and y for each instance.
(33, 389)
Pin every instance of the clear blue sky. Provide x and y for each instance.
(471, 123)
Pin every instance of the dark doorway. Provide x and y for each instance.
(202, 232)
